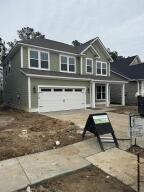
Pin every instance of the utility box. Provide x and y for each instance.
(141, 105)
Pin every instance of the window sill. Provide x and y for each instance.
(101, 75)
(68, 71)
(39, 68)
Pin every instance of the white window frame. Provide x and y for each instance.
(39, 60)
(101, 74)
(87, 65)
(67, 56)
(101, 92)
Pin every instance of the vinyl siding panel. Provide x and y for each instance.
(130, 91)
(54, 60)
(15, 84)
(25, 57)
(36, 81)
(90, 54)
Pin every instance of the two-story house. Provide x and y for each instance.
(42, 75)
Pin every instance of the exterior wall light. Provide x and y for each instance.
(34, 89)
(88, 90)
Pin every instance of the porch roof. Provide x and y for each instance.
(54, 74)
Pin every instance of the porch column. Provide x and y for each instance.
(107, 95)
(93, 94)
(138, 87)
(142, 87)
(123, 95)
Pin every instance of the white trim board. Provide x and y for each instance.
(21, 54)
(71, 78)
(97, 38)
(29, 93)
(87, 58)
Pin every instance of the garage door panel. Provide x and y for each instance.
(64, 99)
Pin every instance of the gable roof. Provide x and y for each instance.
(58, 46)
(123, 67)
(55, 45)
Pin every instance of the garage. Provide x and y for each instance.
(61, 98)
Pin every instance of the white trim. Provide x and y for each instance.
(109, 65)
(98, 56)
(138, 87)
(86, 49)
(123, 95)
(67, 56)
(90, 46)
(71, 78)
(33, 110)
(101, 62)
(81, 65)
(107, 94)
(87, 58)
(88, 105)
(39, 60)
(93, 96)
(38, 47)
(29, 93)
(97, 38)
(61, 86)
(21, 53)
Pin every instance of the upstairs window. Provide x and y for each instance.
(101, 68)
(39, 59)
(34, 61)
(89, 65)
(44, 60)
(67, 64)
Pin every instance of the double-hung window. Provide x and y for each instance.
(34, 59)
(67, 64)
(38, 59)
(44, 60)
(89, 65)
(101, 68)
(100, 92)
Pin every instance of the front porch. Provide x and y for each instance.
(101, 93)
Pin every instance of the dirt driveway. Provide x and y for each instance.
(79, 117)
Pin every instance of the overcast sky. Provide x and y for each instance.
(118, 23)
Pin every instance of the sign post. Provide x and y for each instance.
(99, 124)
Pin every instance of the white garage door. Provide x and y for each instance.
(57, 99)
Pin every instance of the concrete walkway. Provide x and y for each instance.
(17, 173)
(119, 164)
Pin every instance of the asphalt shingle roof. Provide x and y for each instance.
(51, 44)
(123, 67)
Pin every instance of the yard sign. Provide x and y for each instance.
(99, 124)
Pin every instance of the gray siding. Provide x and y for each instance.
(54, 60)
(15, 84)
(130, 91)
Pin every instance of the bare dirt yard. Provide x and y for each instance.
(42, 132)
(89, 179)
(125, 110)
